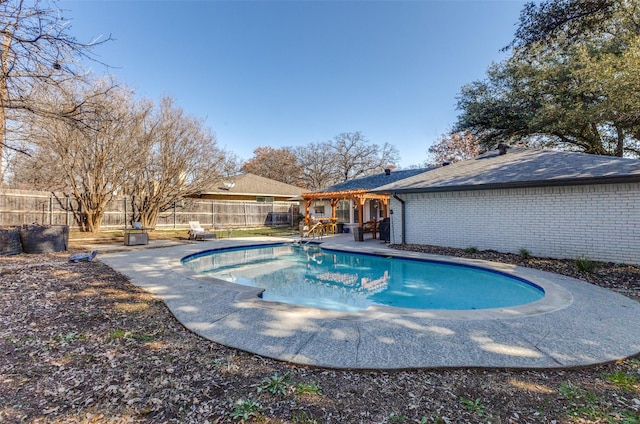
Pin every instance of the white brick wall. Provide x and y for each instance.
(601, 222)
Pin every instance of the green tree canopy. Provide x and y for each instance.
(560, 23)
(562, 87)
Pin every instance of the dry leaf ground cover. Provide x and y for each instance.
(79, 343)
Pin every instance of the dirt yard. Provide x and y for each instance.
(80, 344)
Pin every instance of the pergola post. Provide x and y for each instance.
(307, 218)
(360, 202)
(334, 204)
(385, 207)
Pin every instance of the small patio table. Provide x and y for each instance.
(134, 236)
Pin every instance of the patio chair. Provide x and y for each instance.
(196, 232)
(330, 227)
(371, 227)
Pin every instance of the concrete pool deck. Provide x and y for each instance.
(576, 324)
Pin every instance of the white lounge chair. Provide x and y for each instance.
(196, 232)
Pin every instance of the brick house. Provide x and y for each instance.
(551, 203)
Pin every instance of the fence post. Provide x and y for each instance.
(213, 215)
(174, 214)
(51, 209)
(124, 199)
(245, 214)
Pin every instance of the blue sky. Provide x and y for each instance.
(288, 73)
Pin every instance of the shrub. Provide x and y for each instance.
(473, 405)
(310, 389)
(584, 264)
(246, 409)
(276, 384)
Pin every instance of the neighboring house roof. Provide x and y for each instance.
(253, 185)
(521, 168)
(373, 181)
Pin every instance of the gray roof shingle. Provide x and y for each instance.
(374, 181)
(250, 184)
(521, 168)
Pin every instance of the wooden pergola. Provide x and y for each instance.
(359, 198)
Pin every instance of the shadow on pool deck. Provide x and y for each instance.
(576, 324)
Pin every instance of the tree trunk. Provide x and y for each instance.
(94, 211)
(620, 145)
(149, 218)
(93, 221)
(4, 94)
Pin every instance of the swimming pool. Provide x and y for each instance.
(563, 329)
(342, 281)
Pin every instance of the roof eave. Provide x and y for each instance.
(235, 193)
(516, 184)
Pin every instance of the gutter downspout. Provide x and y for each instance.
(402, 217)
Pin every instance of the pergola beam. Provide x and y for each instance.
(358, 196)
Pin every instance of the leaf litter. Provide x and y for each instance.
(80, 344)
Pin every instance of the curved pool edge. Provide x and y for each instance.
(555, 297)
(571, 333)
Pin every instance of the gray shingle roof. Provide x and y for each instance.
(521, 168)
(374, 181)
(250, 184)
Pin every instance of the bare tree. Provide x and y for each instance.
(39, 170)
(278, 164)
(176, 156)
(230, 164)
(118, 145)
(93, 152)
(454, 147)
(37, 50)
(346, 156)
(355, 157)
(317, 165)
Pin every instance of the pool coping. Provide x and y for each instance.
(556, 297)
(575, 324)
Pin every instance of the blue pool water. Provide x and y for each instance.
(335, 280)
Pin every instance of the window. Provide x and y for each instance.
(319, 209)
(264, 199)
(343, 210)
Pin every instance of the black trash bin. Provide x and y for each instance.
(340, 227)
(44, 238)
(385, 230)
(358, 234)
